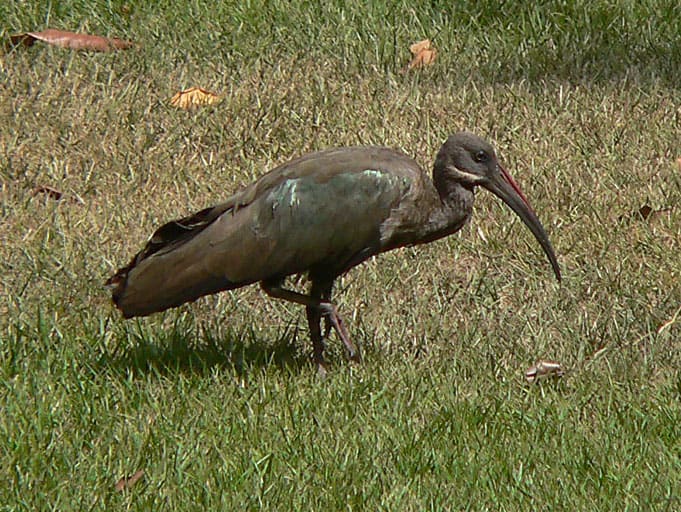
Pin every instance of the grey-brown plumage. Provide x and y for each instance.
(320, 214)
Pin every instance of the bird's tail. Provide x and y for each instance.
(168, 271)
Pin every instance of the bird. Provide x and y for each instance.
(318, 215)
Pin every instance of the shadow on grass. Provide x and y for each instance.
(579, 42)
(182, 351)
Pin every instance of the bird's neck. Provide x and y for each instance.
(436, 210)
(452, 205)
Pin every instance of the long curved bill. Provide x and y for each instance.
(504, 186)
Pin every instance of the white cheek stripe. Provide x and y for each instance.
(474, 178)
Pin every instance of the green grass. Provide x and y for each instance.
(218, 401)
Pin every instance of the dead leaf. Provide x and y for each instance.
(645, 212)
(50, 192)
(71, 40)
(678, 162)
(194, 97)
(127, 483)
(55, 194)
(417, 48)
(543, 370)
(424, 54)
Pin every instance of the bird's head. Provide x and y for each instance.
(467, 160)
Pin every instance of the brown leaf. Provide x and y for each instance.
(424, 54)
(55, 194)
(127, 483)
(418, 47)
(194, 97)
(50, 192)
(543, 370)
(71, 40)
(645, 212)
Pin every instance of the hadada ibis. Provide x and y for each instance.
(320, 214)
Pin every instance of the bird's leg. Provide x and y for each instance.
(326, 296)
(333, 319)
(314, 315)
(313, 321)
(322, 290)
(325, 307)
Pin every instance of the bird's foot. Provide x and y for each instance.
(336, 322)
(322, 372)
(318, 354)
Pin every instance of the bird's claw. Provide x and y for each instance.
(335, 321)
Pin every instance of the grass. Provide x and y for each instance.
(217, 401)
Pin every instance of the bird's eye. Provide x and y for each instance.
(480, 156)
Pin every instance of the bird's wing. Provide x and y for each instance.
(321, 213)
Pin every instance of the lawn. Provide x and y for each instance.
(218, 402)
